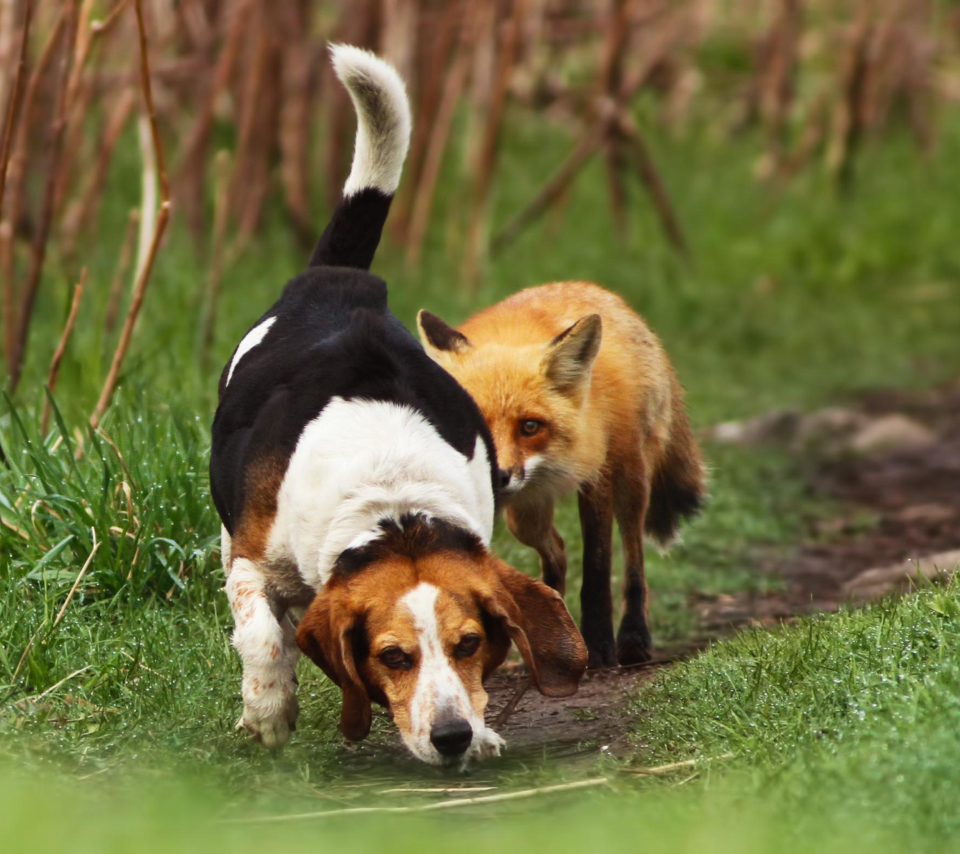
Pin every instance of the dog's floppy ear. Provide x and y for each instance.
(569, 357)
(438, 336)
(328, 636)
(538, 622)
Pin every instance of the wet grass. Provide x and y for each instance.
(795, 298)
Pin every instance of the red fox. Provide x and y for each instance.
(578, 394)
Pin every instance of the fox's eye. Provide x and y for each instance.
(395, 658)
(468, 645)
(530, 427)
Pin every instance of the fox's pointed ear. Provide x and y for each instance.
(439, 336)
(570, 355)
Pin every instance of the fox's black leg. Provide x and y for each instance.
(596, 605)
(631, 497)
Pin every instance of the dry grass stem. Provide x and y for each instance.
(61, 349)
(79, 578)
(439, 805)
(143, 273)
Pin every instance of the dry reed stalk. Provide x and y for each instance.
(848, 118)
(11, 114)
(18, 158)
(243, 187)
(663, 770)
(193, 163)
(143, 272)
(655, 186)
(398, 37)
(294, 124)
(437, 805)
(610, 79)
(428, 107)
(38, 249)
(120, 272)
(61, 349)
(212, 296)
(552, 191)
(456, 79)
(83, 212)
(487, 157)
(776, 87)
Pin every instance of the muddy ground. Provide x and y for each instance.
(911, 499)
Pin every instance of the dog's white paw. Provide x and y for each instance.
(487, 743)
(272, 730)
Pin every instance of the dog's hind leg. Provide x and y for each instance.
(266, 641)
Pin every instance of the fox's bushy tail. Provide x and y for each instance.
(383, 136)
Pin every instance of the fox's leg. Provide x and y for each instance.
(532, 524)
(596, 604)
(631, 498)
(267, 645)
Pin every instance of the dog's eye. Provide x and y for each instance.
(530, 427)
(468, 645)
(395, 658)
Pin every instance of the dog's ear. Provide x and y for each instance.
(537, 621)
(569, 357)
(439, 337)
(328, 634)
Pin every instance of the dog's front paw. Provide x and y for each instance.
(272, 730)
(486, 743)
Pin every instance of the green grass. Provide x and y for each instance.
(796, 297)
(842, 729)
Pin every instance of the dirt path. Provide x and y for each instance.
(912, 494)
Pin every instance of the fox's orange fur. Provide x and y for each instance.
(579, 394)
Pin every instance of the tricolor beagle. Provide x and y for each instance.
(355, 481)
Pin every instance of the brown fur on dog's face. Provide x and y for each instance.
(420, 636)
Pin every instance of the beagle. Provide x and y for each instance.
(355, 481)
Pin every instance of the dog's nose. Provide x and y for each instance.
(452, 738)
(504, 478)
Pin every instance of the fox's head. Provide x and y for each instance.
(531, 396)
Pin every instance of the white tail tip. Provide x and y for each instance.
(383, 119)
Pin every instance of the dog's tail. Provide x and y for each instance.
(383, 136)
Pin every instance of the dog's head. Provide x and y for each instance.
(419, 633)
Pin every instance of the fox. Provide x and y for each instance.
(578, 394)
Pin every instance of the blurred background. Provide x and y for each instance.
(772, 184)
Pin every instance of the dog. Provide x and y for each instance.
(355, 480)
(579, 395)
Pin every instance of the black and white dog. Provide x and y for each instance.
(355, 480)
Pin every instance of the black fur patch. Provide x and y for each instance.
(671, 501)
(414, 536)
(332, 336)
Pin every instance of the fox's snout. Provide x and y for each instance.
(515, 478)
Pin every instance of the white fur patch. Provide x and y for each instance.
(439, 692)
(269, 654)
(383, 119)
(254, 337)
(361, 461)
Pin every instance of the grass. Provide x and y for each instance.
(797, 297)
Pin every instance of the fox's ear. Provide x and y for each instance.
(438, 335)
(570, 355)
